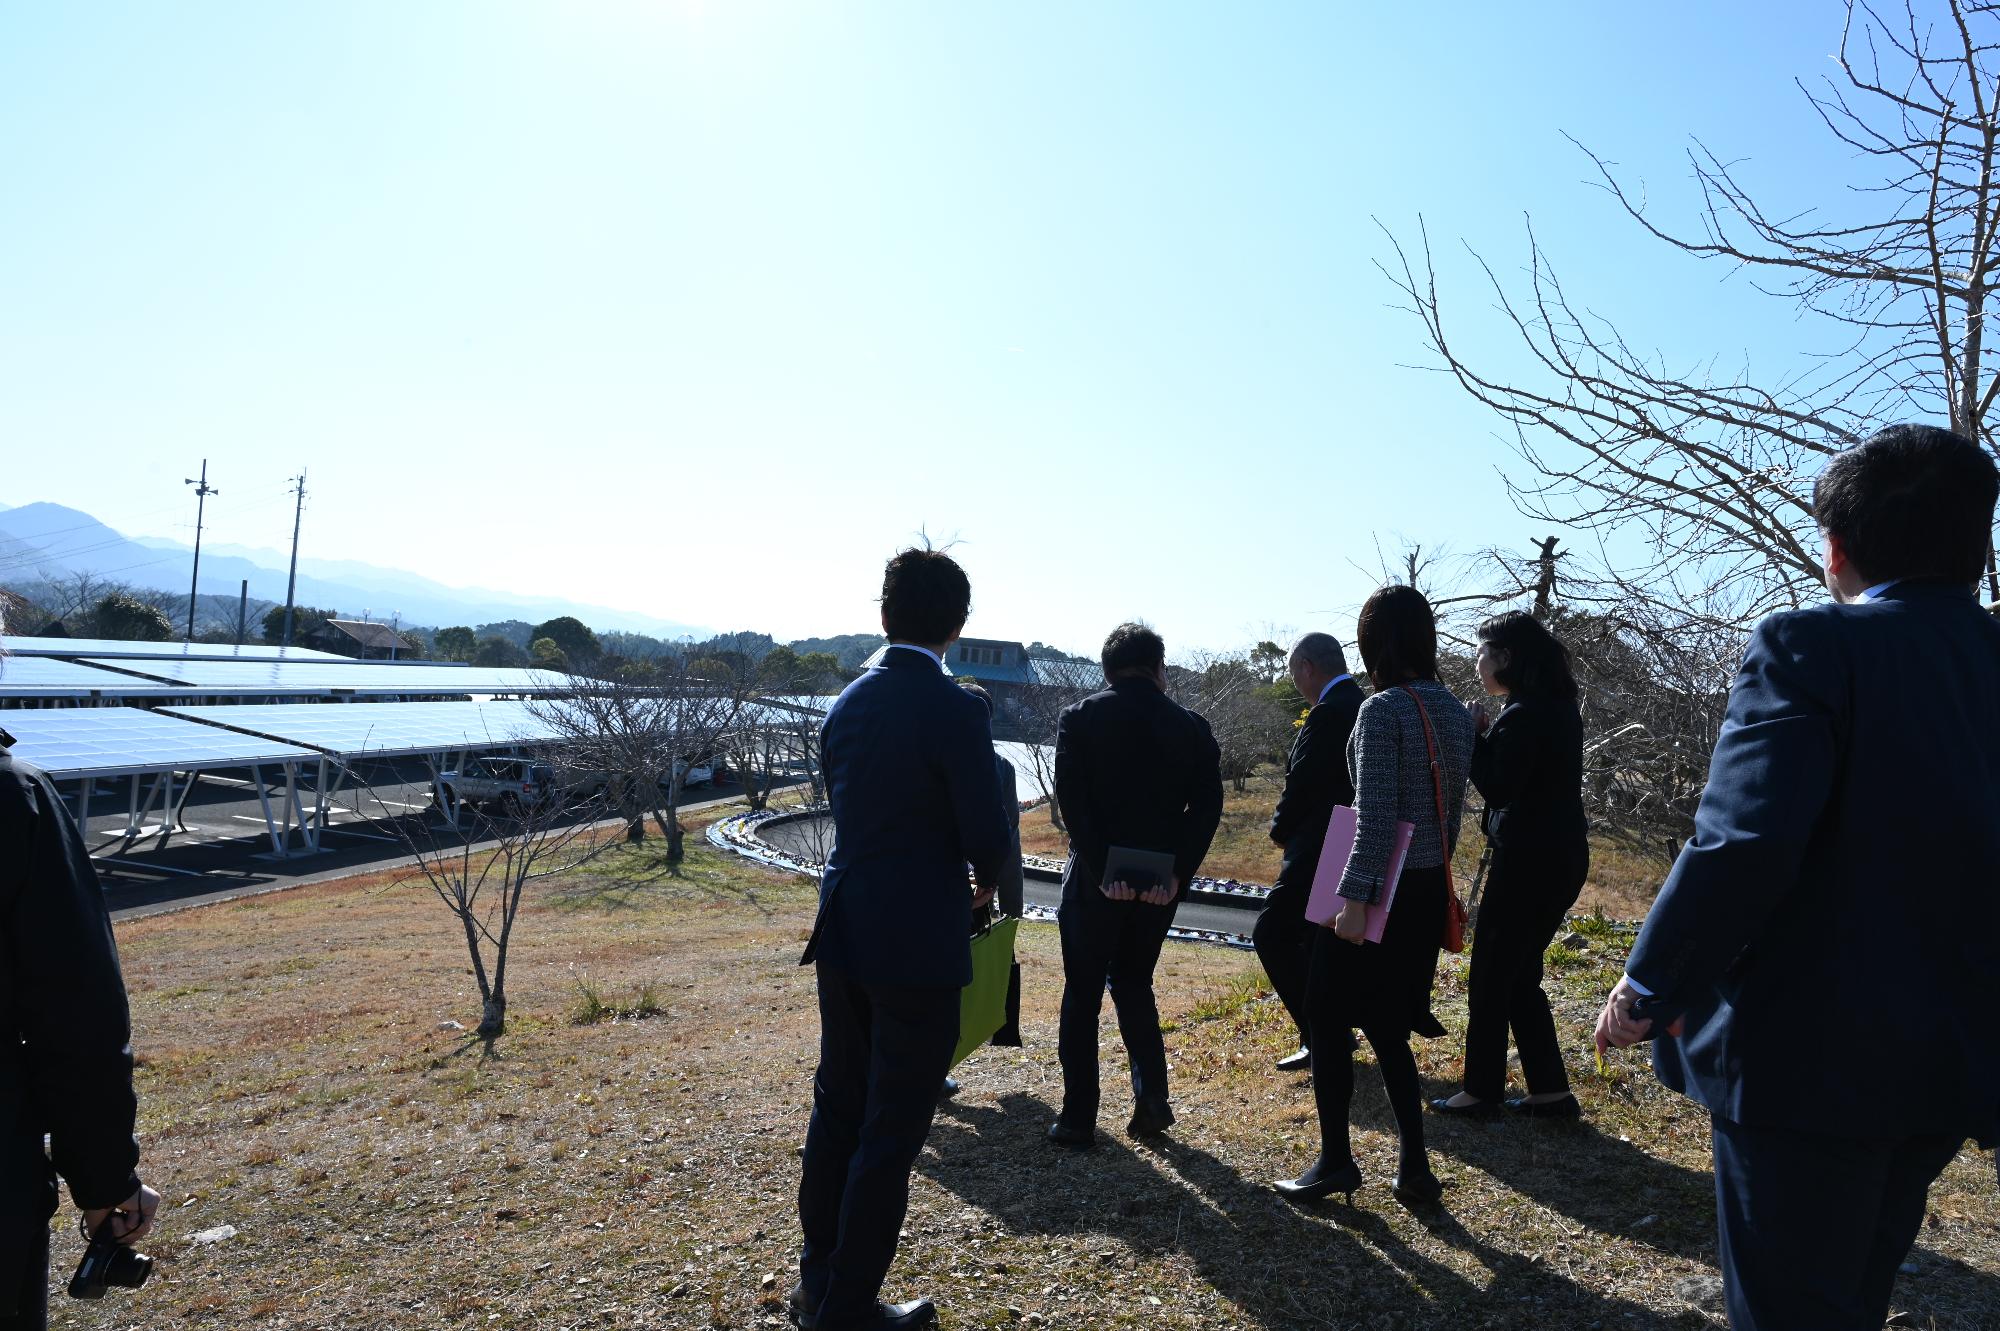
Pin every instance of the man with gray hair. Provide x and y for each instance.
(1316, 779)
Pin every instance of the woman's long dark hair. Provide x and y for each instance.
(1398, 637)
(1537, 662)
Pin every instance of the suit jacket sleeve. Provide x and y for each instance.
(1086, 836)
(1503, 759)
(1319, 761)
(76, 1031)
(1012, 883)
(1768, 785)
(1204, 803)
(974, 787)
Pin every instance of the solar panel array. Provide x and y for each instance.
(69, 742)
(47, 677)
(383, 730)
(162, 651)
(275, 677)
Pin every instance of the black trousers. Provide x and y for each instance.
(883, 1052)
(26, 1283)
(1528, 897)
(1115, 944)
(1284, 944)
(1814, 1227)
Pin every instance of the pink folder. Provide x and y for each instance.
(1326, 901)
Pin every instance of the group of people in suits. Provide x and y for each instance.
(1841, 892)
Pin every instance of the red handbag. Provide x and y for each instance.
(1454, 919)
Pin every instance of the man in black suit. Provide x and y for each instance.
(1820, 964)
(1137, 771)
(65, 1046)
(1316, 779)
(908, 758)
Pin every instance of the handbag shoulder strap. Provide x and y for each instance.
(1437, 786)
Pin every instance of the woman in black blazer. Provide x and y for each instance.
(1528, 765)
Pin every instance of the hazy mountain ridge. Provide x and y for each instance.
(46, 538)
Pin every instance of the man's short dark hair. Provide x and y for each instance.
(1911, 501)
(978, 690)
(1397, 635)
(1132, 648)
(925, 597)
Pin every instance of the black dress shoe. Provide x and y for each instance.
(1477, 1109)
(1414, 1188)
(1298, 1062)
(951, 1088)
(1150, 1118)
(802, 1307)
(1567, 1107)
(891, 1317)
(1320, 1182)
(1068, 1134)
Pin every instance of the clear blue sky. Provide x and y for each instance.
(716, 304)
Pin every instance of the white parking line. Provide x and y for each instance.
(149, 868)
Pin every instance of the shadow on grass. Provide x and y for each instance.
(1593, 1179)
(1283, 1265)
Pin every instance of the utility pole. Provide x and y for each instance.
(202, 490)
(242, 610)
(291, 582)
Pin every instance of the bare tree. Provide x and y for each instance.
(773, 744)
(644, 731)
(1714, 469)
(480, 869)
(1059, 683)
(1251, 721)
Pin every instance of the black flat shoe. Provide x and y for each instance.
(1298, 1062)
(1317, 1184)
(1477, 1109)
(1150, 1118)
(951, 1088)
(1413, 1189)
(1075, 1138)
(891, 1317)
(1567, 1107)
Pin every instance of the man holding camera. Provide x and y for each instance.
(65, 1051)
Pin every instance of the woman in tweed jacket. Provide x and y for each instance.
(1385, 988)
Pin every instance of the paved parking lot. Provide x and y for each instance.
(219, 847)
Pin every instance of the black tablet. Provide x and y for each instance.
(1137, 869)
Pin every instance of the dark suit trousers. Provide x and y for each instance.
(27, 1251)
(1813, 1227)
(1528, 897)
(1114, 943)
(883, 1052)
(1284, 945)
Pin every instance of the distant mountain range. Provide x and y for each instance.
(43, 539)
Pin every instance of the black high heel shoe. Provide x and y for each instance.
(1417, 1187)
(1318, 1183)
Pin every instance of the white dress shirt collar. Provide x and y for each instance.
(1330, 685)
(1875, 593)
(912, 647)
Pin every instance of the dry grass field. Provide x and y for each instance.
(598, 1170)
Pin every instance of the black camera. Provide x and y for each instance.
(107, 1263)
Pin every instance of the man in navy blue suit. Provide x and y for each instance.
(908, 758)
(1820, 964)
